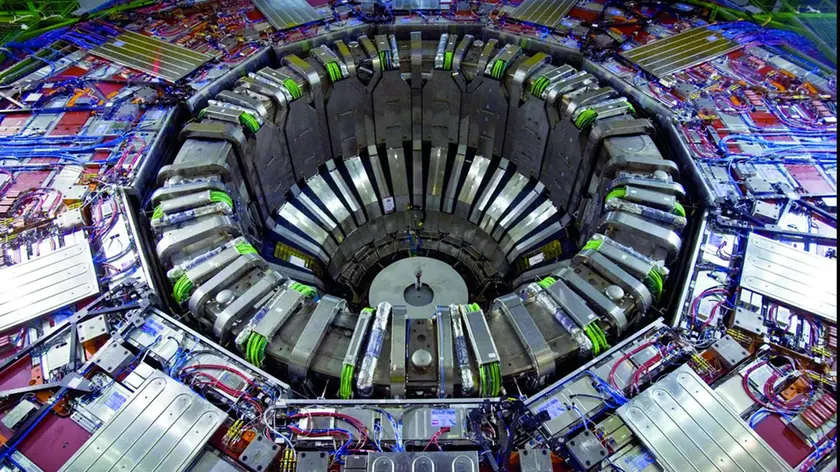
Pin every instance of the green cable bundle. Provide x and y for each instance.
(490, 378)
(596, 335)
(655, 283)
(546, 282)
(447, 60)
(293, 88)
(593, 244)
(334, 71)
(498, 69)
(219, 196)
(539, 86)
(245, 248)
(306, 290)
(679, 210)
(158, 213)
(247, 120)
(345, 391)
(255, 349)
(182, 288)
(619, 192)
(585, 118)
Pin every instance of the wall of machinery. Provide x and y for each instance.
(296, 235)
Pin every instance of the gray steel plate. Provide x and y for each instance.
(152, 56)
(46, 283)
(688, 426)
(678, 52)
(793, 277)
(391, 283)
(543, 12)
(162, 427)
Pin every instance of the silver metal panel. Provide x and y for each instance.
(285, 14)
(475, 217)
(687, 426)
(503, 201)
(464, 461)
(151, 56)
(796, 278)
(468, 192)
(163, 427)
(517, 211)
(359, 335)
(363, 185)
(529, 242)
(345, 192)
(46, 283)
(332, 202)
(452, 186)
(302, 222)
(222, 279)
(543, 12)
(446, 355)
(325, 220)
(399, 178)
(315, 332)
(198, 232)
(683, 50)
(398, 342)
(480, 338)
(434, 187)
(543, 212)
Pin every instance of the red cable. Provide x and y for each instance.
(623, 358)
(220, 367)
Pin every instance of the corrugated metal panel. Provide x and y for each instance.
(285, 14)
(161, 428)
(687, 426)
(46, 283)
(543, 12)
(680, 51)
(152, 56)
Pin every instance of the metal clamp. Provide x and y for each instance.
(224, 278)
(314, 332)
(529, 333)
(204, 227)
(615, 275)
(595, 299)
(281, 308)
(247, 301)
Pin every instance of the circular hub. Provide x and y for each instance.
(419, 283)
